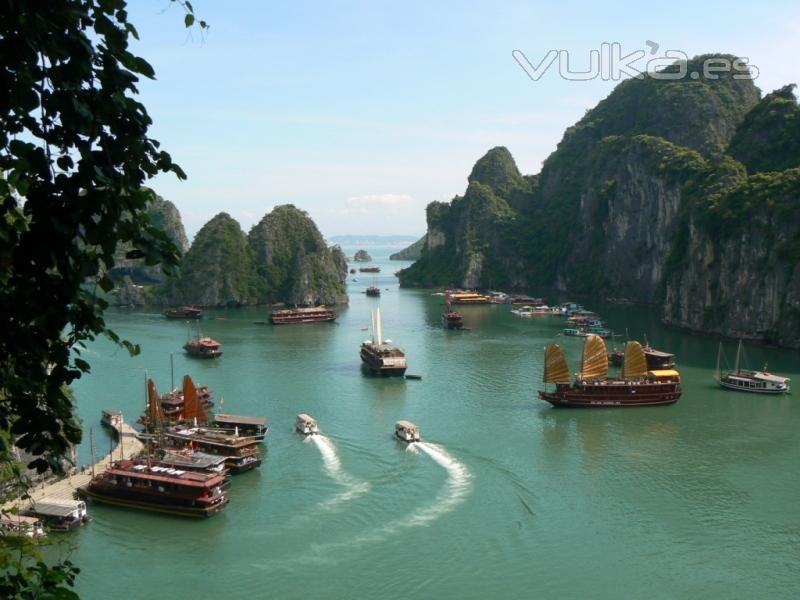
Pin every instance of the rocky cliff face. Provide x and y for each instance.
(644, 199)
(293, 263)
(412, 252)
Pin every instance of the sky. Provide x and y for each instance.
(363, 112)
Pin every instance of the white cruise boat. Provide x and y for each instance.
(406, 431)
(306, 424)
(744, 380)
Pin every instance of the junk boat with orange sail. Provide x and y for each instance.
(636, 386)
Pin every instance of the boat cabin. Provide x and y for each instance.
(245, 425)
(306, 424)
(62, 515)
(406, 431)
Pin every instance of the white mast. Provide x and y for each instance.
(372, 326)
(719, 352)
(738, 352)
(378, 326)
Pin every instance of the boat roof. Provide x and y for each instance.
(307, 309)
(199, 460)
(658, 353)
(163, 474)
(763, 376)
(56, 508)
(404, 425)
(112, 412)
(239, 419)
(664, 373)
(305, 417)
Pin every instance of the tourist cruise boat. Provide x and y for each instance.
(311, 314)
(203, 347)
(243, 425)
(22, 525)
(381, 356)
(241, 452)
(306, 424)
(373, 291)
(111, 417)
(59, 515)
(451, 319)
(743, 380)
(183, 312)
(656, 359)
(406, 431)
(532, 311)
(592, 387)
(157, 488)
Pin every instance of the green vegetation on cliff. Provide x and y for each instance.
(638, 195)
(412, 252)
(362, 256)
(293, 263)
(218, 269)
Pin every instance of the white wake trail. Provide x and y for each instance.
(354, 487)
(458, 485)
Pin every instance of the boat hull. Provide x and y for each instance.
(603, 395)
(737, 388)
(376, 366)
(151, 506)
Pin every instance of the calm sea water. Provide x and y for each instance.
(507, 497)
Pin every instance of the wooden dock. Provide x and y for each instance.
(128, 445)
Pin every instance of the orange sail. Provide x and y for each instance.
(192, 408)
(634, 365)
(594, 363)
(555, 365)
(154, 413)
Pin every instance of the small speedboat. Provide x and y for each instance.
(406, 431)
(306, 424)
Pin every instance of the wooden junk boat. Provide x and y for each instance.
(183, 312)
(370, 269)
(306, 424)
(249, 426)
(656, 359)
(157, 488)
(744, 380)
(406, 431)
(373, 290)
(240, 452)
(302, 315)
(203, 347)
(170, 407)
(381, 356)
(451, 319)
(592, 387)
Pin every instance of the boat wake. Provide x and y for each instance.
(458, 484)
(353, 487)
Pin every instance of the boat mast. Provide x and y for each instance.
(171, 371)
(378, 326)
(719, 353)
(738, 354)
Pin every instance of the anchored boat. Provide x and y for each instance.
(313, 314)
(593, 388)
(203, 347)
(381, 356)
(406, 431)
(158, 488)
(306, 424)
(743, 380)
(373, 290)
(451, 319)
(183, 312)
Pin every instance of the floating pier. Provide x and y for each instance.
(128, 446)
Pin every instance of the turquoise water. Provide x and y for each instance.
(507, 498)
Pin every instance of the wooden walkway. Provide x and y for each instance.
(65, 488)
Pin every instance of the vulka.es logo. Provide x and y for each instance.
(609, 64)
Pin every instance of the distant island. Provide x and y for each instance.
(360, 241)
(412, 252)
(282, 260)
(362, 256)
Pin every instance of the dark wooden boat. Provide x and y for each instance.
(171, 408)
(381, 356)
(240, 424)
(373, 291)
(241, 452)
(172, 491)
(203, 347)
(593, 388)
(656, 359)
(371, 269)
(451, 319)
(183, 312)
(302, 315)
